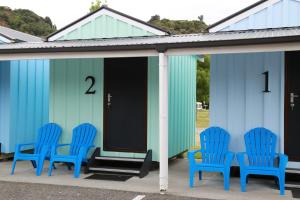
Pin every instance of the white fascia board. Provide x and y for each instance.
(4, 39)
(236, 49)
(108, 13)
(70, 55)
(243, 15)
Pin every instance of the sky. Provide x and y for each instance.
(63, 12)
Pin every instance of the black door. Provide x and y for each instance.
(125, 104)
(292, 106)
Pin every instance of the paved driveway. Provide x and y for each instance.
(32, 191)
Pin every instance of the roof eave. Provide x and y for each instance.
(158, 47)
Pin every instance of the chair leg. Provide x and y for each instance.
(69, 166)
(33, 164)
(200, 175)
(282, 183)
(77, 167)
(13, 167)
(243, 182)
(40, 167)
(192, 173)
(226, 181)
(50, 168)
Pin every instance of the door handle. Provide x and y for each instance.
(109, 98)
(292, 99)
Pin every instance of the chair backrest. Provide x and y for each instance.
(260, 147)
(48, 134)
(214, 144)
(83, 135)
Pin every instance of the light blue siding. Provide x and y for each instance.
(285, 13)
(4, 104)
(25, 102)
(237, 101)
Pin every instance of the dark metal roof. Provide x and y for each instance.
(17, 36)
(111, 10)
(236, 14)
(161, 43)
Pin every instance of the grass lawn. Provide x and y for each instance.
(202, 119)
(202, 122)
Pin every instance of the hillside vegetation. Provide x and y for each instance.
(26, 21)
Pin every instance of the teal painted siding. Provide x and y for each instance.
(69, 106)
(182, 103)
(284, 13)
(28, 83)
(237, 102)
(105, 26)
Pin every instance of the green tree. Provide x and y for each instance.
(95, 5)
(26, 21)
(203, 69)
(179, 26)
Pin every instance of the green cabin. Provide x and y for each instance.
(120, 96)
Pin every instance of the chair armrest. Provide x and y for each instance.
(283, 161)
(241, 159)
(228, 158)
(19, 146)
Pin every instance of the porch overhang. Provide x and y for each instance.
(265, 40)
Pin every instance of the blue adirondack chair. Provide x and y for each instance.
(261, 157)
(215, 155)
(48, 135)
(82, 142)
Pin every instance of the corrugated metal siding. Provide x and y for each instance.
(182, 103)
(4, 104)
(237, 102)
(29, 82)
(105, 27)
(69, 106)
(284, 13)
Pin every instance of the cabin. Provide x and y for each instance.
(120, 95)
(23, 94)
(258, 89)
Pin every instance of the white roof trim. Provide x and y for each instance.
(4, 39)
(111, 14)
(243, 15)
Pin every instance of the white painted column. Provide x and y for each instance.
(163, 122)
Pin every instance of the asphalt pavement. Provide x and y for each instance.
(33, 191)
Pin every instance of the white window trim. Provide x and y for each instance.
(4, 39)
(108, 13)
(243, 15)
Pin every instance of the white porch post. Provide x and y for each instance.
(163, 122)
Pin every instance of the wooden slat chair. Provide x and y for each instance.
(261, 157)
(215, 155)
(82, 141)
(48, 135)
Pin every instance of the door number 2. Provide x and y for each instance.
(90, 90)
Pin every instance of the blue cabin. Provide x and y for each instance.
(24, 92)
(251, 90)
